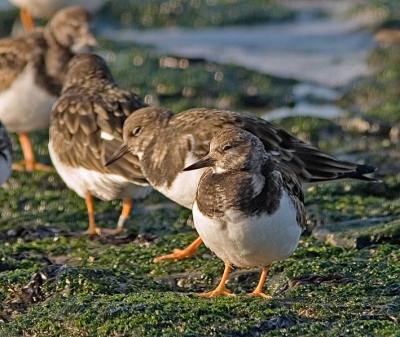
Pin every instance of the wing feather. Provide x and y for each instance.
(15, 53)
(308, 162)
(79, 121)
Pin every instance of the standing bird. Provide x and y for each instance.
(6, 154)
(45, 9)
(166, 143)
(249, 207)
(32, 70)
(86, 128)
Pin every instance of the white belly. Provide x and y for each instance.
(254, 241)
(103, 186)
(25, 107)
(184, 187)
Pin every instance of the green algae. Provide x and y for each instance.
(116, 290)
(379, 95)
(92, 300)
(109, 290)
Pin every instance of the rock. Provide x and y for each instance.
(359, 233)
(276, 323)
(332, 279)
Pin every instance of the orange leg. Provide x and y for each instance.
(221, 290)
(29, 163)
(258, 290)
(27, 20)
(126, 209)
(180, 254)
(92, 229)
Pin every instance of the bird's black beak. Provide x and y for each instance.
(120, 152)
(206, 161)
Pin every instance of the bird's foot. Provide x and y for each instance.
(23, 165)
(103, 231)
(259, 294)
(111, 232)
(219, 291)
(178, 254)
(92, 231)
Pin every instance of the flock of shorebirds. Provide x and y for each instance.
(241, 175)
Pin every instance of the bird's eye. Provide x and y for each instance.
(226, 147)
(136, 131)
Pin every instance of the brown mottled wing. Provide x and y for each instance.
(293, 188)
(15, 53)
(204, 124)
(210, 200)
(308, 162)
(86, 128)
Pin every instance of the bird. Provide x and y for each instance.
(85, 128)
(248, 208)
(32, 70)
(45, 9)
(6, 155)
(166, 143)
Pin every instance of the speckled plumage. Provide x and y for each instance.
(245, 178)
(247, 209)
(86, 128)
(167, 143)
(33, 68)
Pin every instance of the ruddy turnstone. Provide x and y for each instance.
(32, 70)
(249, 207)
(47, 8)
(5, 155)
(166, 143)
(86, 128)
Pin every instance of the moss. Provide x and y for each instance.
(122, 292)
(108, 288)
(379, 95)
